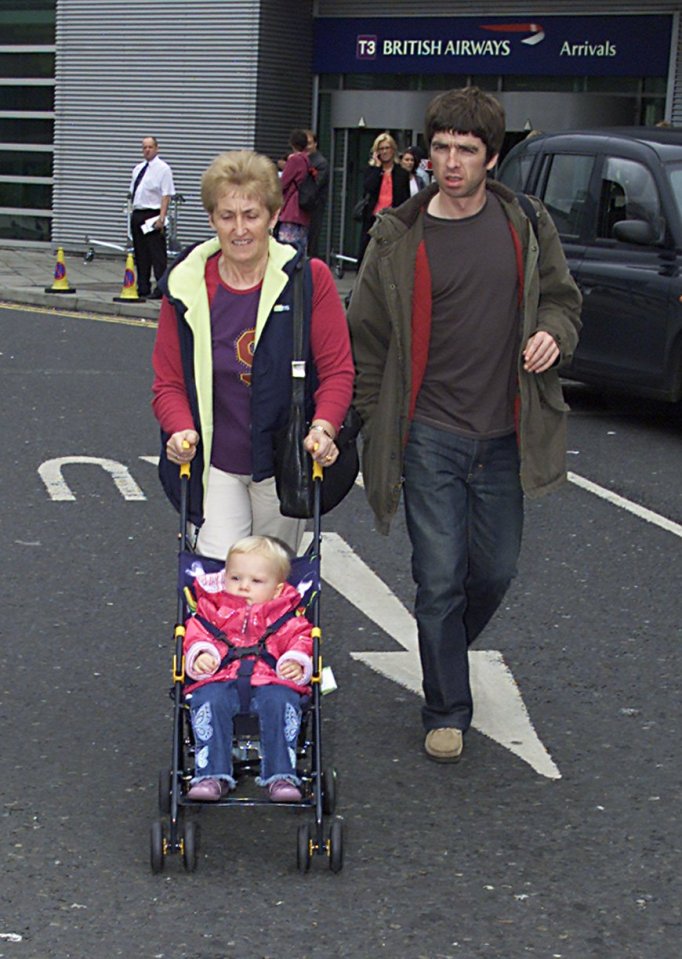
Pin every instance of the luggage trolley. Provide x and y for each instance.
(172, 244)
(177, 831)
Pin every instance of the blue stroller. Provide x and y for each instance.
(178, 832)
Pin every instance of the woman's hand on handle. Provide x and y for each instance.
(182, 446)
(320, 442)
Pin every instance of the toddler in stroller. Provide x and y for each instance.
(247, 686)
(247, 650)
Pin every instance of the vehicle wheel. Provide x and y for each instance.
(156, 846)
(328, 791)
(190, 846)
(336, 846)
(165, 787)
(303, 854)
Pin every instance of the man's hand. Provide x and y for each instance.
(540, 353)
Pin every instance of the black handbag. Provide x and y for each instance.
(293, 464)
(360, 208)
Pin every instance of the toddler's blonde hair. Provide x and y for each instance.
(269, 549)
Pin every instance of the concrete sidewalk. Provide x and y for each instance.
(24, 274)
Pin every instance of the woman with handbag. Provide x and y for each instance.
(223, 359)
(386, 184)
(293, 221)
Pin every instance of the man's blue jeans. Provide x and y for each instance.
(464, 509)
(213, 708)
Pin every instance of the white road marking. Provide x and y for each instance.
(500, 712)
(626, 504)
(59, 491)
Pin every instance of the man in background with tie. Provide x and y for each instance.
(151, 188)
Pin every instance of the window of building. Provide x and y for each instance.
(25, 226)
(36, 99)
(29, 163)
(27, 82)
(39, 66)
(31, 22)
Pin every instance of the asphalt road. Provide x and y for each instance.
(480, 860)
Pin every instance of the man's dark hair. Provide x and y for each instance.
(467, 110)
(298, 139)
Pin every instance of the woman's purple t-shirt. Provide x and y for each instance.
(233, 324)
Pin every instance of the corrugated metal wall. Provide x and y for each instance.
(285, 82)
(202, 76)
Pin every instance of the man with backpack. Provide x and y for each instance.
(459, 317)
(320, 168)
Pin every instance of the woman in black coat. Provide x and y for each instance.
(386, 184)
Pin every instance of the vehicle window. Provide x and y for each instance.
(517, 171)
(628, 192)
(675, 177)
(565, 193)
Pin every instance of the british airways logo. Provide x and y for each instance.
(537, 33)
(370, 46)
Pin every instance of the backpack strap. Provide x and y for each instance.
(528, 208)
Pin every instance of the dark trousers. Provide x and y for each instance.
(464, 509)
(150, 251)
(314, 230)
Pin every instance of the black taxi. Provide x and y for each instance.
(615, 196)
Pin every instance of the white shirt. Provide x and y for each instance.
(156, 183)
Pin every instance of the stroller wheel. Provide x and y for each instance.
(304, 853)
(190, 846)
(328, 790)
(165, 787)
(156, 847)
(336, 846)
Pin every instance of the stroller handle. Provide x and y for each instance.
(184, 467)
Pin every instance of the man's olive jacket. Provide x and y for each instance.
(390, 322)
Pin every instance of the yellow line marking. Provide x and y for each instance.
(80, 315)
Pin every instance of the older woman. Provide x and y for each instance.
(222, 359)
(386, 184)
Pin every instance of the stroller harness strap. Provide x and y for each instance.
(247, 655)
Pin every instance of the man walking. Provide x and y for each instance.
(151, 188)
(462, 310)
(321, 165)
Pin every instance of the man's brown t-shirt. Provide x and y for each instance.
(470, 379)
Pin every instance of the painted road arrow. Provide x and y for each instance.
(500, 710)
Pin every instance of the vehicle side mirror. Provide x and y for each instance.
(640, 232)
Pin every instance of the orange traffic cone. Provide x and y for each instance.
(61, 283)
(129, 291)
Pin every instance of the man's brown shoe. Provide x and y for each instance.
(444, 745)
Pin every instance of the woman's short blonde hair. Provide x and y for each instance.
(244, 171)
(269, 549)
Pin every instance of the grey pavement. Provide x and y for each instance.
(25, 274)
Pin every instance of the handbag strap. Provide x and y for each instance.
(298, 372)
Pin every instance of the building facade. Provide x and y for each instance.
(81, 83)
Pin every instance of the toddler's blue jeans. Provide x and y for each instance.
(213, 708)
